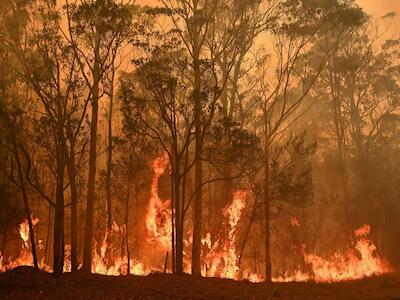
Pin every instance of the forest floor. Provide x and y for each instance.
(25, 283)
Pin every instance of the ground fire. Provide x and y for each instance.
(358, 261)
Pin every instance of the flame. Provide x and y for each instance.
(224, 262)
(221, 258)
(158, 218)
(25, 256)
(24, 230)
(101, 264)
(356, 263)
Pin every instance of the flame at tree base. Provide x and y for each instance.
(222, 258)
(358, 262)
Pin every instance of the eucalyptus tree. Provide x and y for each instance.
(156, 105)
(47, 67)
(362, 82)
(207, 36)
(96, 32)
(282, 91)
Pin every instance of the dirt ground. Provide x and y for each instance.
(25, 283)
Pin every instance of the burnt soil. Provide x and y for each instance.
(25, 283)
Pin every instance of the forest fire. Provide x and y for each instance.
(222, 259)
(357, 262)
(201, 145)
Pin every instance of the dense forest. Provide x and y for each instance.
(243, 139)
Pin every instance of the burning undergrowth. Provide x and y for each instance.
(221, 256)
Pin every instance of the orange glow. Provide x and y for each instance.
(221, 258)
(158, 218)
(222, 261)
(25, 256)
(358, 262)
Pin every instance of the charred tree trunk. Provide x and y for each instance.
(267, 245)
(26, 207)
(173, 222)
(198, 212)
(58, 239)
(109, 154)
(48, 236)
(74, 209)
(128, 253)
(87, 252)
(178, 217)
(59, 243)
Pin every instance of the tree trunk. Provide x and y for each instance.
(109, 155)
(268, 267)
(87, 252)
(128, 253)
(58, 250)
(59, 243)
(27, 209)
(74, 211)
(48, 236)
(197, 224)
(178, 218)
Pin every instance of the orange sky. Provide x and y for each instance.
(379, 8)
(375, 7)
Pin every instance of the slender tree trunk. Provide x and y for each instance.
(128, 253)
(74, 211)
(267, 246)
(198, 211)
(109, 154)
(26, 207)
(173, 222)
(87, 252)
(48, 236)
(179, 218)
(59, 243)
(58, 239)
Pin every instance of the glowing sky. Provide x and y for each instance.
(375, 7)
(379, 8)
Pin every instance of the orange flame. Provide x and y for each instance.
(224, 263)
(158, 218)
(222, 259)
(358, 262)
(25, 256)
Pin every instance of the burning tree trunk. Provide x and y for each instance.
(74, 201)
(26, 206)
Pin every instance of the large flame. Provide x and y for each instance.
(221, 258)
(115, 264)
(223, 261)
(158, 218)
(358, 262)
